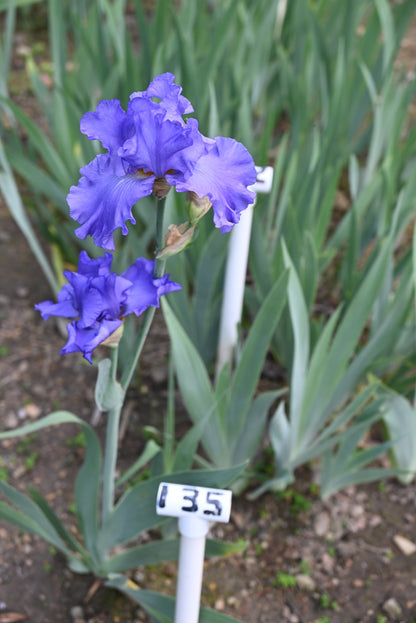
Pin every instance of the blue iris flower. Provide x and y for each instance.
(149, 143)
(97, 299)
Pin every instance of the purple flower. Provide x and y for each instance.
(97, 299)
(151, 142)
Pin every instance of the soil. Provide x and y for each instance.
(307, 561)
(341, 555)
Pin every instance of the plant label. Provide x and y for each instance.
(176, 500)
(263, 183)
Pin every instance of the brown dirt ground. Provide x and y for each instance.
(342, 552)
(344, 546)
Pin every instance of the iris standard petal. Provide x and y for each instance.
(223, 174)
(92, 267)
(169, 94)
(108, 124)
(89, 300)
(104, 198)
(158, 144)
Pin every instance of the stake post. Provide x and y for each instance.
(235, 273)
(196, 508)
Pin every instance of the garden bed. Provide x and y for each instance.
(307, 560)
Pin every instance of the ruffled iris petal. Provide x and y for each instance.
(96, 299)
(145, 290)
(85, 340)
(169, 94)
(152, 140)
(164, 285)
(157, 143)
(222, 175)
(63, 309)
(104, 198)
(88, 298)
(108, 124)
(93, 267)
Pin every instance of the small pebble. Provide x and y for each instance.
(220, 604)
(22, 292)
(32, 411)
(232, 601)
(305, 582)
(11, 421)
(406, 546)
(77, 612)
(321, 524)
(392, 608)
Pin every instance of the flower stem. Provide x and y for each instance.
(150, 312)
(159, 262)
(113, 422)
(111, 446)
(141, 336)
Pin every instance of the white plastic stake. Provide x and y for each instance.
(193, 532)
(196, 508)
(235, 274)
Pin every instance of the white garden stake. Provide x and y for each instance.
(235, 273)
(196, 508)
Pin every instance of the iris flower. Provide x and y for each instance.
(97, 299)
(150, 146)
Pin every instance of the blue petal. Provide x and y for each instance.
(64, 309)
(93, 267)
(104, 197)
(98, 297)
(84, 340)
(223, 174)
(145, 290)
(143, 293)
(108, 124)
(158, 145)
(164, 285)
(169, 94)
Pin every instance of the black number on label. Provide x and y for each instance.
(162, 498)
(215, 503)
(260, 179)
(192, 499)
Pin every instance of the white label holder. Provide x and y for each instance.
(235, 273)
(264, 181)
(196, 508)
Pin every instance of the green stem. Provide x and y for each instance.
(111, 446)
(113, 421)
(141, 336)
(148, 315)
(159, 262)
(169, 428)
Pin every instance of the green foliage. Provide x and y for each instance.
(332, 277)
(161, 607)
(235, 418)
(286, 580)
(325, 601)
(297, 502)
(134, 512)
(4, 472)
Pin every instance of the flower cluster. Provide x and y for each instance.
(97, 299)
(150, 148)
